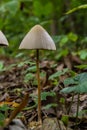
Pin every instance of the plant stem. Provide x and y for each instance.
(39, 88)
(77, 107)
(70, 104)
(77, 112)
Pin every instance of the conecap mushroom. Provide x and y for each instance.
(38, 39)
(3, 40)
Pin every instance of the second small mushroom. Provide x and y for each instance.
(38, 39)
(3, 40)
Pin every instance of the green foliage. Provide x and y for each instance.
(3, 109)
(10, 7)
(18, 16)
(65, 119)
(62, 100)
(83, 54)
(2, 118)
(82, 113)
(45, 9)
(77, 8)
(50, 106)
(28, 77)
(57, 74)
(81, 66)
(78, 84)
(1, 66)
(44, 96)
(25, 62)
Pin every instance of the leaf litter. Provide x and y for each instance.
(13, 87)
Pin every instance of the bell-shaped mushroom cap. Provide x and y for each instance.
(3, 40)
(37, 38)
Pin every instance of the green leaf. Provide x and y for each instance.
(77, 8)
(64, 40)
(1, 66)
(2, 118)
(65, 119)
(44, 95)
(11, 6)
(73, 37)
(28, 77)
(78, 84)
(80, 88)
(78, 79)
(31, 69)
(50, 106)
(68, 90)
(81, 66)
(4, 108)
(21, 64)
(83, 54)
(57, 74)
(62, 53)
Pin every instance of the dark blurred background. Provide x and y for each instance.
(69, 31)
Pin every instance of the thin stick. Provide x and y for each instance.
(18, 109)
(39, 88)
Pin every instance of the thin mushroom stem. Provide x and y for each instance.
(39, 88)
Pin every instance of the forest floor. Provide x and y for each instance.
(18, 76)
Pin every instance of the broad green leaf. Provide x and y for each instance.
(68, 90)
(73, 37)
(76, 79)
(78, 84)
(57, 74)
(80, 88)
(64, 40)
(83, 54)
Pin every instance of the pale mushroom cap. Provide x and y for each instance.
(3, 40)
(37, 38)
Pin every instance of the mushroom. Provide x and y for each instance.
(3, 40)
(38, 39)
